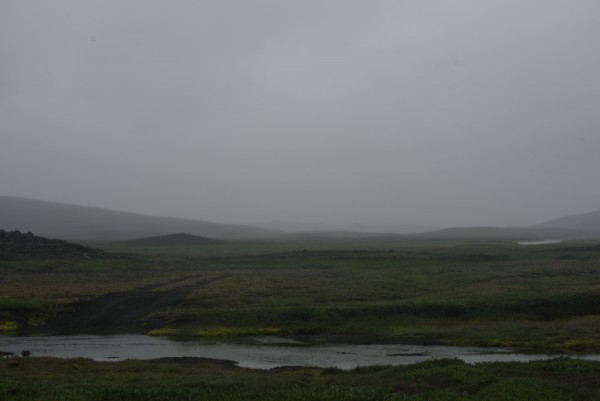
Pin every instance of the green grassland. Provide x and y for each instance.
(448, 292)
(373, 290)
(43, 379)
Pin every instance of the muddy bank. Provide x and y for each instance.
(197, 361)
(124, 312)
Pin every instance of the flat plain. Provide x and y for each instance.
(485, 293)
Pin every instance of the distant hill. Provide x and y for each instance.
(500, 233)
(17, 245)
(331, 234)
(580, 226)
(586, 222)
(175, 240)
(73, 222)
(341, 229)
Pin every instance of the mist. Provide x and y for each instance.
(438, 113)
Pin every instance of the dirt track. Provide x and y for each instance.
(124, 312)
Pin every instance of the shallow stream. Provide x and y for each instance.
(270, 352)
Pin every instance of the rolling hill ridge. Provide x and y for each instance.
(174, 240)
(74, 222)
(589, 222)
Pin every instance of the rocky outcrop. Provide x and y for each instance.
(15, 245)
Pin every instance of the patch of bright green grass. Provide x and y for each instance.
(236, 331)
(215, 332)
(7, 327)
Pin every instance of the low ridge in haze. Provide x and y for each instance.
(587, 222)
(175, 240)
(582, 226)
(73, 222)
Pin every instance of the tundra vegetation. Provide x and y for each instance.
(494, 293)
(48, 379)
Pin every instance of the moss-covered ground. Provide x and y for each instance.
(46, 379)
(453, 292)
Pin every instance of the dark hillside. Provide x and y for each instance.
(73, 222)
(16, 245)
(175, 240)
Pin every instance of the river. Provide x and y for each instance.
(270, 352)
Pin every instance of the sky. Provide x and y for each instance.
(438, 112)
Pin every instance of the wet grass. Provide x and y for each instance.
(79, 379)
(459, 293)
(464, 293)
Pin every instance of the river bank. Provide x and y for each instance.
(183, 379)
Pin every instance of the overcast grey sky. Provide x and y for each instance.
(467, 112)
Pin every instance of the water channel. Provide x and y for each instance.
(268, 352)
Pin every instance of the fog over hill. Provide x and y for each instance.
(508, 233)
(582, 222)
(174, 240)
(434, 113)
(301, 227)
(586, 225)
(65, 221)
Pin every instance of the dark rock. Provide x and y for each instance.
(15, 245)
